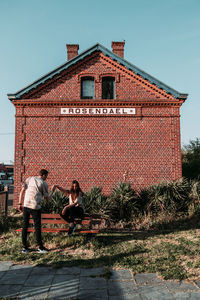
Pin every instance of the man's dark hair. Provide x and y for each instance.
(43, 172)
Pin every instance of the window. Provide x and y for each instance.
(87, 88)
(108, 88)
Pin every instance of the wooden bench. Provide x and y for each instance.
(52, 222)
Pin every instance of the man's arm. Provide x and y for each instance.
(48, 197)
(21, 198)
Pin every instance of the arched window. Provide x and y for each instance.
(87, 88)
(108, 87)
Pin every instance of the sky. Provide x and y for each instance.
(162, 37)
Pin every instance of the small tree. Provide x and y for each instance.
(191, 159)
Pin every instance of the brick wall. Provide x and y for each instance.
(128, 85)
(98, 150)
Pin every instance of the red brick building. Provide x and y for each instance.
(98, 119)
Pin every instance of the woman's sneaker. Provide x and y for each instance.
(71, 230)
(43, 250)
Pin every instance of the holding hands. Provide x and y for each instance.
(53, 188)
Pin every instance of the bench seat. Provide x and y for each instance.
(53, 223)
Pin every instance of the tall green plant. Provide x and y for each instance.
(123, 202)
(56, 204)
(194, 207)
(172, 197)
(95, 202)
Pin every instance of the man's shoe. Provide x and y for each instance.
(43, 250)
(25, 250)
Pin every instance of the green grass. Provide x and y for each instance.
(173, 255)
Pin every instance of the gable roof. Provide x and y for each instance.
(106, 52)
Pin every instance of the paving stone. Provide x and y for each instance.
(5, 265)
(93, 295)
(9, 290)
(36, 280)
(89, 283)
(176, 286)
(21, 268)
(38, 283)
(134, 296)
(68, 270)
(197, 283)
(17, 271)
(119, 288)
(64, 287)
(33, 293)
(187, 296)
(43, 270)
(147, 278)
(2, 274)
(12, 278)
(121, 275)
(66, 279)
(63, 290)
(92, 272)
(152, 292)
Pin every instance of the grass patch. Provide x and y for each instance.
(173, 255)
(9, 222)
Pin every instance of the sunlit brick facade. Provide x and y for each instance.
(98, 147)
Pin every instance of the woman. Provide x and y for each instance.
(75, 208)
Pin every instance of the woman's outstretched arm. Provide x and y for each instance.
(66, 192)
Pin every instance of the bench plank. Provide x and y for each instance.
(56, 219)
(46, 221)
(60, 230)
(57, 216)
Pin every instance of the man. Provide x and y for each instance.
(33, 191)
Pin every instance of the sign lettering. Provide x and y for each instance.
(98, 111)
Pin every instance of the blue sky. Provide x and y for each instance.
(162, 37)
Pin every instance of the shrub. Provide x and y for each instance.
(123, 202)
(95, 202)
(194, 207)
(174, 198)
(3, 223)
(168, 196)
(56, 204)
(9, 222)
